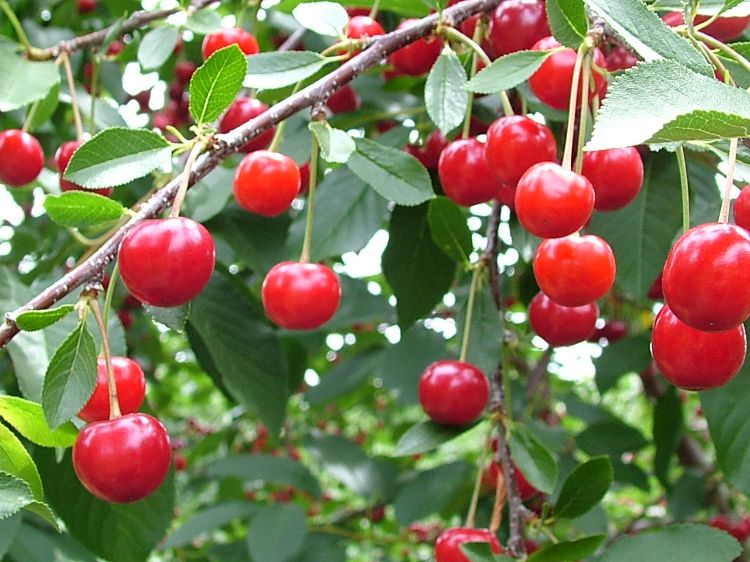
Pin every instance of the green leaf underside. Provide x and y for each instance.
(78, 209)
(33, 320)
(204, 21)
(412, 8)
(323, 18)
(173, 318)
(568, 21)
(27, 418)
(157, 46)
(336, 146)
(25, 81)
(117, 156)
(216, 84)
(269, 71)
(507, 72)
(445, 98)
(15, 494)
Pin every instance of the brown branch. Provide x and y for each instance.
(231, 142)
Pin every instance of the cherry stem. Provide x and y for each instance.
(724, 214)
(501, 496)
(466, 337)
(93, 87)
(182, 191)
(472, 514)
(65, 57)
(110, 292)
(569, 137)
(30, 116)
(307, 242)
(729, 51)
(114, 404)
(583, 122)
(375, 9)
(684, 188)
(278, 136)
(479, 31)
(17, 27)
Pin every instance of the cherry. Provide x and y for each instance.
(184, 70)
(122, 460)
(429, 153)
(21, 157)
(516, 25)
(304, 176)
(239, 113)
(465, 173)
(552, 202)
(615, 174)
(453, 392)
(361, 27)
(62, 159)
(166, 262)
(448, 544)
(620, 58)
(506, 194)
(354, 12)
(344, 100)
(115, 48)
(574, 270)
(551, 82)
(525, 489)
(301, 296)
(562, 325)
(86, 6)
(516, 143)
(696, 360)
(180, 463)
(740, 530)
(656, 291)
(723, 29)
(741, 208)
(704, 278)
(418, 57)
(212, 42)
(612, 331)
(131, 389)
(266, 183)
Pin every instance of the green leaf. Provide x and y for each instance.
(70, 378)
(430, 492)
(208, 520)
(323, 18)
(668, 428)
(38, 544)
(31, 81)
(16, 461)
(411, 8)
(216, 83)
(648, 35)
(173, 318)
(584, 488)
(270, 71)
(335, 145)
(8, 532)
(15, 494)
(631, 355)
(482, 552)
(210, 196)
(157, 46)
(78, 209)
(117, 156)
(33, 320)
(533, 459)
(569, 551)
(344, 378)
(426, 436)
(268, 469)
(610, 437)
(394, 174)
(27, 418)
(663, 102)
(444, 96)
(507, 72)
(416, 269)
(277, 533)
(449, 229)
(204, 21)
(568, 21)
(320, 546)
(675, 543)
(45, 109)
(485, 347)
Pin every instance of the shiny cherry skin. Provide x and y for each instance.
(465, 173)
(612, 331)
(122, 460)
(62, 159)
(239, 113)
(515, 144)
(167, 262)
(562, 325)
(429, 153)
(742, 208)
(21, 157)
(723, 29)
(344, 100)
(705, 277)
(86, 6)
(616, 175)
(418, 57)
(516, 25)
(448, 544)
(575, 270)
(131, 389)
(453, 392)
(693, 359)
(361, 27)
(620, 58)
(552, 202)
(246, 41)
(266, 183)
(301, 296)
(551, 82)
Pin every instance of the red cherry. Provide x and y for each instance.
(562, 325)
(184, 70)
(266, 183)
(122, 460)
(525, 489)
(741, 208)
(615, 174)
(304, 176)
(656, 292)
(448, 544)
(620, 58)
(429, 153)
(418, 57)
(465, 173)
(612, 331)
(115, 48)
(574, 270)
(551, 82)
(344, 100)
(506, 194)
(212, 42)
(131, 389)
(453, 392)
(301, 296)
(354, 12)
(361, 27)
(515, 144)
(176, 90)
(516, 25)
(166, 262)
(240, 112)
(21, 157)
(180, 463)
(86, 6)
(696, 360)
(62, 158)
(552, 202)
(723, 29)
(705, 277)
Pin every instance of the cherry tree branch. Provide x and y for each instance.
(229, 143)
